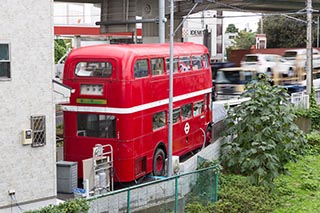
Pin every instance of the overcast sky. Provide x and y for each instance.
(241, 20)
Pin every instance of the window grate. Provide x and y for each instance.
(38, 126)
(4, 61)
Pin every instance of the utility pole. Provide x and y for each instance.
(309, 47)
(171, 89)
(162, 21)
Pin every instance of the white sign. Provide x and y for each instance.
(186, 128)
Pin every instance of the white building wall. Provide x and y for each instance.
(194, 26)
(28, 27)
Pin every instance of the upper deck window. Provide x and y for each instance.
(184, 64)
(175, 65)
(196, 62)
(141, 68)
(4, 61)
(157, 66)
(94, 69)
(205, 59)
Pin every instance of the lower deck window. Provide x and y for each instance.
(158, 120)
(96, 125)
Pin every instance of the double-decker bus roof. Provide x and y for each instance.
(122, 50)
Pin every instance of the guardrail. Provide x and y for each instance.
(165, 195)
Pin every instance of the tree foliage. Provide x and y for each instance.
(232, 29)
(286, 32)
(263, 135)
(60, 48)
(244, 40)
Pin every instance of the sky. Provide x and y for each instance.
(241, 20)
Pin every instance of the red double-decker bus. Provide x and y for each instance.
(121, 97)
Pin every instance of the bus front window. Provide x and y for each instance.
(96, 125)
(228, 77)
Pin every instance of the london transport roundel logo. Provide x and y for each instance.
(186, 128)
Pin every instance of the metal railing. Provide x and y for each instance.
(300, 99)
(170, 194)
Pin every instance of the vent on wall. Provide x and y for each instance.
(38, 126)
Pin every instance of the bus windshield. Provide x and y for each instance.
(227, 77)
(234, 77)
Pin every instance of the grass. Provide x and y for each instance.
(300, 191)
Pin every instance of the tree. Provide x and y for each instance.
(244, 40)
(285, 32)
(60, 48)
(232, 29)
(263, 135)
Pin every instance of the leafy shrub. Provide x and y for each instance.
(236, 195)
(314, 142)
(70, 206)
(262, 137)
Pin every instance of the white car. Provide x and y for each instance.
(296, 58)
(262, 63)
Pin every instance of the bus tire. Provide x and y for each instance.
(159, 162)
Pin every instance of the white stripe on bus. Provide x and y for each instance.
(133, 109)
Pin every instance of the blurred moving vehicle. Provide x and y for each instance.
(230, 82)
(263, 63)
(217, 65)
(295, 59)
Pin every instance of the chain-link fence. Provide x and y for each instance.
(164, 195)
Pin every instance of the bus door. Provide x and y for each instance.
(199, 123)
(193, 119)
(180, 140)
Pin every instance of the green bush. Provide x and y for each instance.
(261, 136)
(236, 195)
(70, 206)
(314, 142)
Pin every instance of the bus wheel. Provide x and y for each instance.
(159, 162)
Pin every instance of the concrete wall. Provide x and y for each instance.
(28, 27)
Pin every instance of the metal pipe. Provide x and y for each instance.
(318, 33)
(162, 21)
(176, 196)
(170, 89)
(128, 201)
(133, 21)
(309, 47)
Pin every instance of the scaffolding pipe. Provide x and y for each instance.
(134, 21)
